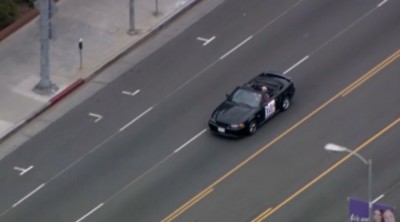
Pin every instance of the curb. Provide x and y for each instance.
(22, 123)
(42, 109)
(66, 91)
(75, 85)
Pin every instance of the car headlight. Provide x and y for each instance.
(212, 121)
(237, 126)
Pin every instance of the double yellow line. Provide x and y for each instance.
(188, 204)
(269, 211)
(371, 73)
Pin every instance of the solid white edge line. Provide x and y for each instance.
(189, 141)
(134, 120)
(90, 212)
(382, 3)
(28, 195)
(236, 47)
(295, 65)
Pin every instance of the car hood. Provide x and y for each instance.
(231, 113)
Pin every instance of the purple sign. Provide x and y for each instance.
(359, 211)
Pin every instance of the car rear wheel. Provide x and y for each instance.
(252, 127)
(285, 104)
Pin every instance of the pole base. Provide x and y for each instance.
(45, 88)
(157, 13)
(132, 32)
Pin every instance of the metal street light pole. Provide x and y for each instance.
(45, 85)
(337, 148)
(369, 190)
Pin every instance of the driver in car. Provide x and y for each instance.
(266, 96)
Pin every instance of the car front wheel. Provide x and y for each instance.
(285, 104)
(252, 127)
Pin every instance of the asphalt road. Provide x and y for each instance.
(151, 158)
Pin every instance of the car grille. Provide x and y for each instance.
(220, 124)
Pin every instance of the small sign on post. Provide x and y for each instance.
(80, 45)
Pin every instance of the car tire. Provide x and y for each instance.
(285, 103)
(252, 127)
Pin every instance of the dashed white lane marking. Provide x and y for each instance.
(130, 93)
(90, 212)
(41, 186)
(206, 41)
(343, 31)
(97, 116)
(236, 47)
(297, 3)
(382, 3)
(70, 166)
(295, 65)
(28, 195)
(153, 167)
(189, 141)
(23, 170)
(134, 120)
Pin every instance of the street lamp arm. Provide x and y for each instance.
(359, 156)
(337, 148)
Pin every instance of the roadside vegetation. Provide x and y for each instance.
(11, 10)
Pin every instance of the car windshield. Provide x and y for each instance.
(247, 97)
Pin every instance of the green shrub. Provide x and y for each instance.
(31, 3)
(8, 12)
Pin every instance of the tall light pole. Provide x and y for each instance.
(45, 85)
(337, 148)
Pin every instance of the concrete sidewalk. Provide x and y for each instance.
(103, 26)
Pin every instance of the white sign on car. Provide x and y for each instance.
(270, 108)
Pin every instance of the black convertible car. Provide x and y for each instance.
(251, 104)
